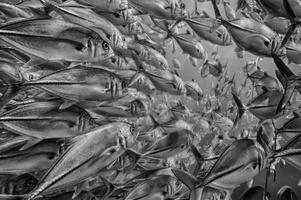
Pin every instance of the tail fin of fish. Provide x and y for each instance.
(11, 86)
(284, 74)
(191, 182)
(241, 109)
(216, 10)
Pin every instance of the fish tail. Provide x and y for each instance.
(241, 109)
(187, 179)
(216, 10)
(11, 88)
(286, 153)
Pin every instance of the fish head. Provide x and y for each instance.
(100, 49)
(11, 71)
(178, 85)
(128, 133)
(23, 184)
(224, 36)
(139, 107)
(121, 87)
(199, 51)
(286, 193)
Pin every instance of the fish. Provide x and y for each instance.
(94, 49)
(194, 91)
(90, 19)
(94, 150)
(169, 9)
(249, 34)
(245, 166)
(190, 45)
(134, 108)
(44, 120)
(105, 5)
(263, 106)
(202, 26)
(162, 184)
(71, 83)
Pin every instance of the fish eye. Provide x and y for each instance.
(105, 45)
(219, 35)
(30, 183)
(133, 129)
(183, 6)
(30, 77)
(51, 157)
(91, 121)
(174, 86)
(117, 15)
(266, 43)
(123, 84)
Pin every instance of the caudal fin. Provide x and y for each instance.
(11, 83)
(241, 109)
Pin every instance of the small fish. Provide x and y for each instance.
(263, 106)
(51, 48)
(230, 13)
(106, 5)
(97, 84)
(88, 18)
(165, 81)
(162, 184)
(122, 108)
(120, 18)
(202, 26)
(42, 120)
(170, 9)
(194, 91)
(249, 34)
(190, 45)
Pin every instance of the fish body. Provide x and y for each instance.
(160, 9)
(51, 48)
(190, 45)
(202, 26)
(86, 156)
(106, 5)
(45, 120)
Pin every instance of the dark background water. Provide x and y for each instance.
(286, 175)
